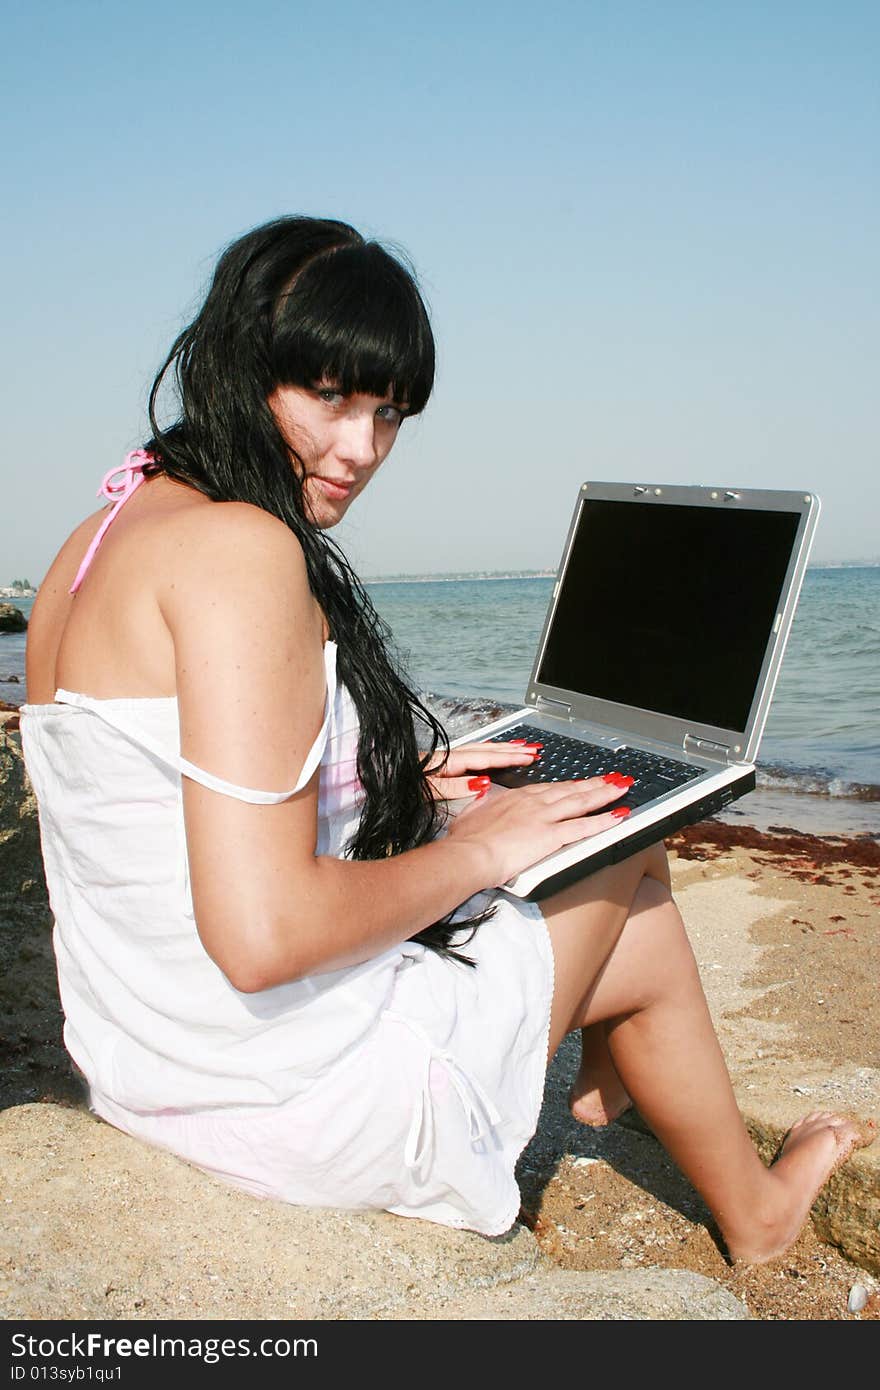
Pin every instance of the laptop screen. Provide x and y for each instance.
(669, 607)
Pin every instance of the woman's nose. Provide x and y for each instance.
(358, 439)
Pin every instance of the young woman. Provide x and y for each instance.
(274, 957)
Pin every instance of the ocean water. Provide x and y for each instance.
(12, 644)
(468, 645)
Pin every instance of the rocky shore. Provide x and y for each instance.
(785, 928)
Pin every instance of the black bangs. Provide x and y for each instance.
(354, 318)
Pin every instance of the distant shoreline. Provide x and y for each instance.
(458, 576)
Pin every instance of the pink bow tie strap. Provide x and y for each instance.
(130, 475)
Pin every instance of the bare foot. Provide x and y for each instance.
(813, 1149)
(598, 1095)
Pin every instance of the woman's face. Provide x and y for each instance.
(341, 440)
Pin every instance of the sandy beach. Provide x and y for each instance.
(785, 929)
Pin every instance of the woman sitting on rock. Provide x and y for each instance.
(275, 959)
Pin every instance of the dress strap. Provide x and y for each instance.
(117, 492)
(481, 1113)
(119, 715)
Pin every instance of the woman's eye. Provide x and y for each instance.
(331, 396)
(391, 414)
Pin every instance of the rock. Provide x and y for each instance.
(20, 854)
(98, 1216)
(12, 619)
(858, 1297)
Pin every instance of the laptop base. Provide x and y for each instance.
(639, 840)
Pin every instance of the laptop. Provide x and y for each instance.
(658, 657)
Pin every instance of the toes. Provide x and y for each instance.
(839, 1123)
(845, 1132)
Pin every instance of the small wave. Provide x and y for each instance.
(815, 782)
(460, 714)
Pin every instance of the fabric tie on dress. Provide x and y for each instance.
(132, 475)
(482, 1115)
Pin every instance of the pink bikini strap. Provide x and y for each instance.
(132, 475)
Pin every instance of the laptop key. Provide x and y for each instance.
(643, 792)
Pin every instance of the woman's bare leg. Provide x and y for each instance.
(597, 1095)
(646, 990)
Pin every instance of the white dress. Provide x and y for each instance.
(410, 1083)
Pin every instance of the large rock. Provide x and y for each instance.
(99, 1226)
(34, 1064)
(12, 619)
(21, 861)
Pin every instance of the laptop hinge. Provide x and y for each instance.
(707, 748)
(553, 706)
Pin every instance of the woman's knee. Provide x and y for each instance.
(649, 865)
(652, 895)
(656, 862)
(656, 932)
(650, 961)
(616, 885)
(589, 922)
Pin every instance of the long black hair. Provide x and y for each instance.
(296, 302)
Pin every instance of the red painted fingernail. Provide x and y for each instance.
(476, 784)
(612, 777)
(620, 812)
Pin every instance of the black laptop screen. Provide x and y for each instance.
(669, 608)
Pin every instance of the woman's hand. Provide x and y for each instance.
(463, 773)
(518, 827)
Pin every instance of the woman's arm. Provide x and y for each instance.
(247, 637)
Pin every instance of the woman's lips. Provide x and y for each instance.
(337, 489)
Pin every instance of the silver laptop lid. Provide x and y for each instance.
(671, 610)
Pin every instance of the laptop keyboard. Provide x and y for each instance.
(563, 758)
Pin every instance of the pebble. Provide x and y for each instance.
(858, 1297)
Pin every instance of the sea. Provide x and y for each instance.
(468, 643)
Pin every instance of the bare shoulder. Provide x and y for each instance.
(220, 562)
(241, 523)
(53, 597)
(242, 618)
(232, 543)
(64, 567)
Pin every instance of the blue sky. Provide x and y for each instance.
(647, 234)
